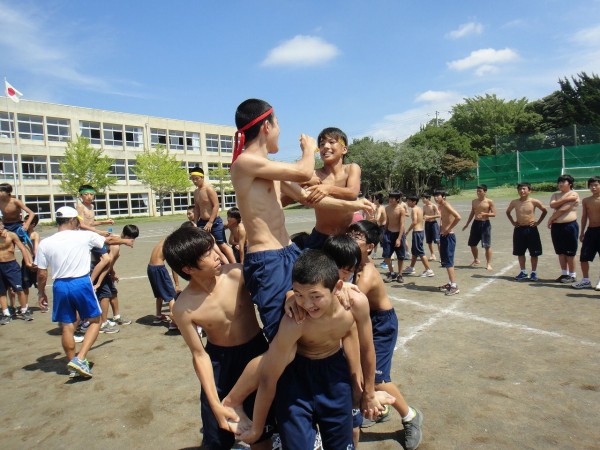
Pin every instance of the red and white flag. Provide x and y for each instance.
(11, 92)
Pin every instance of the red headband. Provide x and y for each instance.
(240, 137)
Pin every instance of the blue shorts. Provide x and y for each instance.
(17, 228)
(590, 245)
(217, 230)
(72, 295)
(385, 335)
(447, 248)
(481, 230)
(10, 276)
(565, 238)
(432, 232)
(28, 277)
(107, 288)
(228, 364)
(526, 238)
(416, 247)
(160, 282)
(268, 277)
(315, 240)
(236, 253)
(389, 240)
(315, 392)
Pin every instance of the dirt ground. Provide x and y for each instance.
(502, 365)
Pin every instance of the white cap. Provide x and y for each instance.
(66, 212)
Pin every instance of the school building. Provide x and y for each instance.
(33, 139)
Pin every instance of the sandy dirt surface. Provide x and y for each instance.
(502, 365)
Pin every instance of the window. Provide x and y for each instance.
(118, 205)
(192, 141)
(118, 169)
(212, 143)
(181, 200)
(158, 137)
(100, 205)
(64, 200)
(39, 204)
(176, 140)
(215, 166)
(134, 136)
(230, 200)
(7, 167)
(34, 167)
(113, 135)
(91, 131)
(30, 127)
(55, 167)
(226, 144)
(139, 203)
(166, 204)
(58, 130)
(130, 172)
(7, 125)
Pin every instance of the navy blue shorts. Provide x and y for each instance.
(217, 230)
(447, 248)
(28, 277)
(315, 392)
(17, 228)
(590, 245)
(526, 238)
(107, 288)
(385, 335)
(228, 364)
(416, 247)
(481, 230)
(10, 276)
(432, 232)
(389, 240)
(268, 277)
(315, 240)
(72, 295)
(160, 281)
(565, 238)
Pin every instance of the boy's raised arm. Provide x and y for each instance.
(295, 192)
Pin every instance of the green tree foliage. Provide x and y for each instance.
(444, 139)
(223, 177)
(378, 163)
(161, 173)
(420, 167)
(84, 164)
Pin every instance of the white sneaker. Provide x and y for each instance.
(427, 273)
(583, 284)
(78, 338)
(111, 323)
(598, 286)
(409, 270)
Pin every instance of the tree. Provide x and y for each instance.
(84, 164)
(223, 177)
(161, 173)
(419, 166)
(445, 139)
(378, 163)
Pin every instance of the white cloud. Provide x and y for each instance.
(301, 51)
(587, 37)
(437, 96)
(486, 57)
(466, 29)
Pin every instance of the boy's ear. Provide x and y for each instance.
(187, 270)
(338, 286)
(370, 248)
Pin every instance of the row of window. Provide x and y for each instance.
(36, 168)
(31, 127)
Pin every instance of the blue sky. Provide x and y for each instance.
(373, 68)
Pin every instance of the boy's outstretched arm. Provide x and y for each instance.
(24, 250)
(295, 192)
(348, 192)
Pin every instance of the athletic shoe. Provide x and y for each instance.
(409, 270)
(121, 321)
(384, 266)
(5, 320)
(158, 320)
(444, 287)
(583, 284)
(533, 277)
(432, 258)
(82, 367)
(598, 286)
(383, 417)
(522, 276)
(106, 329)
(390, 277)
(173, 327)
(111, 323)
(82, 327)
(412, 431)
(427, 273)
(399, 278)
(78, 338)
(568, 280)
(561, 278)
(27, 315)
(453, 290)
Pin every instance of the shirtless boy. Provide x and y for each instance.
(216, 300)
(564, 228)
(418, 237)
(85, 208)
(237, 234)
(206, 211)
(334, 179)
(260, 184)
(526, 235)
(12, 211)
(449, 219)
(482, 208)
(590, 237)
(394, 237)
(161, 284)
(432, 227)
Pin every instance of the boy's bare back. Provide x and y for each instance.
(369, 281)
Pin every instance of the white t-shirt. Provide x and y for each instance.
(67, 253)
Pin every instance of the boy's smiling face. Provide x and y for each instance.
(332, 149)
(315, 299)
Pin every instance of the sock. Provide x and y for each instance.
(24, 309)
(585, 279)
(564, 272)
(524, 271)
(6, 312)
(573, 274)
(453, 285)
(117, 317)
(410, 415)
(534, 272)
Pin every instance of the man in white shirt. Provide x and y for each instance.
(67, 253)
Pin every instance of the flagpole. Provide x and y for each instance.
(12, 149)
